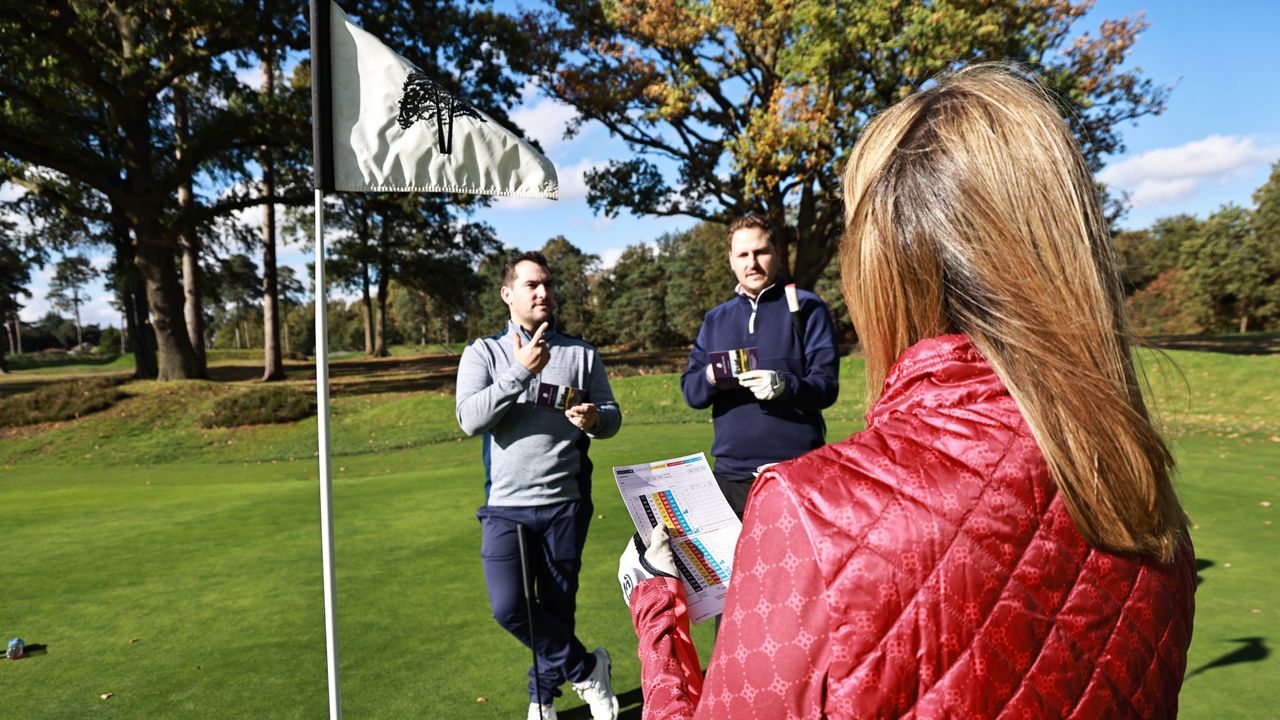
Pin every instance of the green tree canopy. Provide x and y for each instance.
(698, 275)
(1228, 266)
(572, 271)
(752, 105)
(67, 286)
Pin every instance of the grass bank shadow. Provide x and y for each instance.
(1234, 344)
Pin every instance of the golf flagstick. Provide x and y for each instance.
(362, 89)
(528, 605)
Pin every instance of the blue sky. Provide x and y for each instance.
(1213, 145)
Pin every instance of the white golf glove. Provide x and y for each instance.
(764, 384)
(638, 564)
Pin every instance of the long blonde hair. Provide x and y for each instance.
(970, 209)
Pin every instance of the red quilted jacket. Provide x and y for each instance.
(924, 568)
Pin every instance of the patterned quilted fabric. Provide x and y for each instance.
(926, 568)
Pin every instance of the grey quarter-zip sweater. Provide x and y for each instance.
(533, 455)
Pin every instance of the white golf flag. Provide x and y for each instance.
(395, 129)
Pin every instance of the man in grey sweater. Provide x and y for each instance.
(539, 397)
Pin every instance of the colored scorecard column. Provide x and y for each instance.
(681, 493)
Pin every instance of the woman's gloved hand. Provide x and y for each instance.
(638, 564)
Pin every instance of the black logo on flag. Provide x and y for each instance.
(424, 97)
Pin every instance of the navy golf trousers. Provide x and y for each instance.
(554, 539)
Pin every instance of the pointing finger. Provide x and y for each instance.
(537, 334)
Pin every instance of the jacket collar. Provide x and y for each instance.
(941, 372)
(740, 292)
(525, 335)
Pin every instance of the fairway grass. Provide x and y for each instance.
(179, 569)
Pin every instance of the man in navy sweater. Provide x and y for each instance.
(767, 372)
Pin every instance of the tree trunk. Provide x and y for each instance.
(188, 239)
(8, 337)
(17, 332)
(154, 249)
(80, 335)
(380, 335)
(145, 366)
(176, 360)
(1244, 323)
(10, 324)
(273, 362)
(284, 327)
(137, 333)
(367, 312)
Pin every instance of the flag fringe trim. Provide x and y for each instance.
(447, 189)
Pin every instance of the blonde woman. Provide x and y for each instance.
(1003, 539)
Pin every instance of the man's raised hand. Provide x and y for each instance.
(535, 355)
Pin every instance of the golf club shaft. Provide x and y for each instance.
(521, 531)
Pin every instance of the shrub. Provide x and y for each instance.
(260, 406)
(1167, 306)
(60, 401)
(109, 342)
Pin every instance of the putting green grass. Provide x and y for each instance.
(179, 569)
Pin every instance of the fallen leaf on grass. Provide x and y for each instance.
(482, 699)
(133, 640)
(1265, 503)
(107, 696)
(1226, 565)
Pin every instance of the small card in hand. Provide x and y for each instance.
(561, 397)
(726, 365)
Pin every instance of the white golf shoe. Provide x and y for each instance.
(541, 712)
(597, 689)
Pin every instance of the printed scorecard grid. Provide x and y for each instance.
(681, 494)
(700, 565)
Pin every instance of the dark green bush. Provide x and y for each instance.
(109, 343)
(260, 406)
(60, 401)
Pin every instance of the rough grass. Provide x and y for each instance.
(269, 405)
(60, 401)
(179, 568)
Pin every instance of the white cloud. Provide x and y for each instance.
(250, 76)
(545, 120)
(1178, 173)
(98, 311)
(34, 307)
(1159, 191)
(610, 257)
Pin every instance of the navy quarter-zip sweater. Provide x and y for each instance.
(748, 432)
